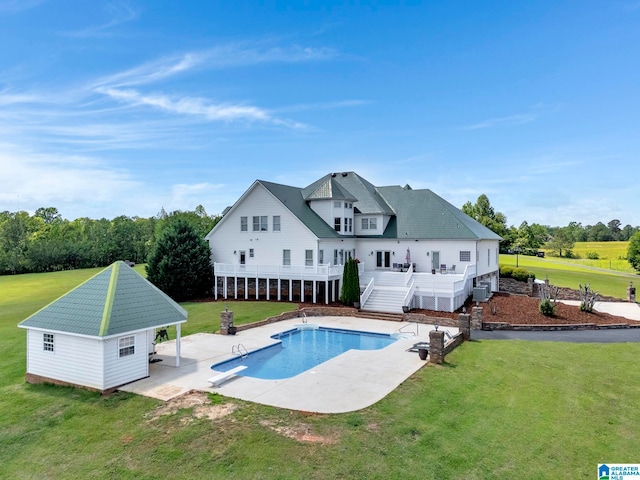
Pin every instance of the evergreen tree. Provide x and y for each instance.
(180, 263)
(350, 283)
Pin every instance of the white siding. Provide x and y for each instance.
(90, 362)
(486, 250)
(76, 360)
(421, 252)
(120, 370)
(267, 246)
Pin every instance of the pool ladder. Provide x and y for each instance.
(240, 351)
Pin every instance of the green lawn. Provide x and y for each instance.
(567, 274)
(495, 410)
(611, 256)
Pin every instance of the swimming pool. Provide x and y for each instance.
(301, 349)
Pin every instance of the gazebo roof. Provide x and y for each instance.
(115, 301)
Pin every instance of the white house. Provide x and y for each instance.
(288, 243)
(100, 334)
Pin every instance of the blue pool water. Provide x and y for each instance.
(302, 349)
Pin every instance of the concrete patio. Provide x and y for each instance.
(351, 381)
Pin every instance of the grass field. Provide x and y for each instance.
(611, 255)
(495, 409)
(565, 273)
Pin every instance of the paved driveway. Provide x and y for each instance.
(621, 309)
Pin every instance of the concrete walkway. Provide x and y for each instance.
(627, 310)
(351, 381)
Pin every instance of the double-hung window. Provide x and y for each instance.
(336, 223)
(260, 224)
(244, 227)
(127, 345)
(276, 223)
(286, 257)
(308, 258)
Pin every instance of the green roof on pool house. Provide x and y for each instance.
(114, 301)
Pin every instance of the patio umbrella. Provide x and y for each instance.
(408, 257)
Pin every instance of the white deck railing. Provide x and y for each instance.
(276, 271)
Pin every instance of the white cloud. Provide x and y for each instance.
(35, 180)
(119, 13)
(519, 119)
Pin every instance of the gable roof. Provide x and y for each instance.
(292, 198)
(114, 301)
(423, 214)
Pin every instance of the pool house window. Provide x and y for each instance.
(127, 345)
(48, 342)
(276, 223)
(244, 224)
(465, 256)
(286, 257)
(308, 258)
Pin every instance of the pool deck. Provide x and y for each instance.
(348, 382)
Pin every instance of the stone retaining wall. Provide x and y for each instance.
(509, 285)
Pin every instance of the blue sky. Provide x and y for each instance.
(114, 108)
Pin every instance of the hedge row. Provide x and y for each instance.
(519, 273)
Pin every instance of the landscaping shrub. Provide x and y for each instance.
(547, 308)
(548, 295)
(587, 298)
(593, 256)
(506, 271)
(522, 274)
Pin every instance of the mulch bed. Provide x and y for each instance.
(523, 310)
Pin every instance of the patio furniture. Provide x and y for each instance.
(443, 268)
(452, 269)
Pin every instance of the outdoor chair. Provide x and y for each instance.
(452, 269)
(443, 268)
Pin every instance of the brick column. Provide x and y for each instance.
(226, 321)
(436, 347)
(464, 324)
(476, 318)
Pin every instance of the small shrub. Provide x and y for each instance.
(522, 274)
(593, 256)
(547, 308)
(548, 296)
(587, 298)
(506, 271)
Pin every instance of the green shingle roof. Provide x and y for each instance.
(292, 198)
(367, 201)
(423, 214)
(329, 189)
(115, 301)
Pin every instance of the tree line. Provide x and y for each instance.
(530, 238)
(46, 242)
